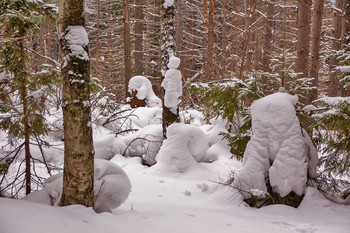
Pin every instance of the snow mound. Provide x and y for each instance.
(144, 90)
(185, 146)
(111, 187)
(276, 149)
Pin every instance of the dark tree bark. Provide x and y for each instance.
(334, 87)
(168, 49)
(315, 49)
(224, 32)
(78, 177)
(178, 32)
(268, 37)
(346, 40)
(250, 7)
(303, 39)
(127, 48)
(138, 53)
(205, 40)
(210, 40)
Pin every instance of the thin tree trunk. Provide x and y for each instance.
(210, 40)
(249, 19)
(148, 37)
(334, 87)
(268, 37)
(205, 40)
(49, 40)
(178, 32)
(168, 49)
(303, 39)
(315, 49)
(138, 53)
(127, 48)
(346, 41)
(224, 41)
(78, 176)
(25, 122)
(234, 35)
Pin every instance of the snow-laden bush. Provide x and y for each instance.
(185, 146)
(332, 135)
(145, 143)
(111, 187)
(143, 88)
(277, 150)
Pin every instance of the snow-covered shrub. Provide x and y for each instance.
(228, 101)
(332, 136)
(143, 88)
(231, 98)
(111, 187)
(278, 153)
(145, 143)
(185, 146)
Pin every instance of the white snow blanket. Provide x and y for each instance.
(276, 150)
(111, 187)
(144, 90)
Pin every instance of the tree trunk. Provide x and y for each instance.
(346, 42)
(148, 33)
(138, 53)
(168, 49)
(303, 39)
(234, 35)
(334, 87)
(315, 49)
(205, 40)
(25, 122)
(249, 19)
(78, 176)
(210, 40)
(178, 32)
(224, 41)
(268, 37)
(127, 48)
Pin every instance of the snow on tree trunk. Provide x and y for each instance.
(78, 177)
(171, 77)
(172, 85)
(277, 150)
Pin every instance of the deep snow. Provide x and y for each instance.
(181, 202)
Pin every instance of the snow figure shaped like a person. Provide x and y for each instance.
(172, 85)
(278, 150)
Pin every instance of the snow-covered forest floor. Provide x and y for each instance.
(164, 200)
